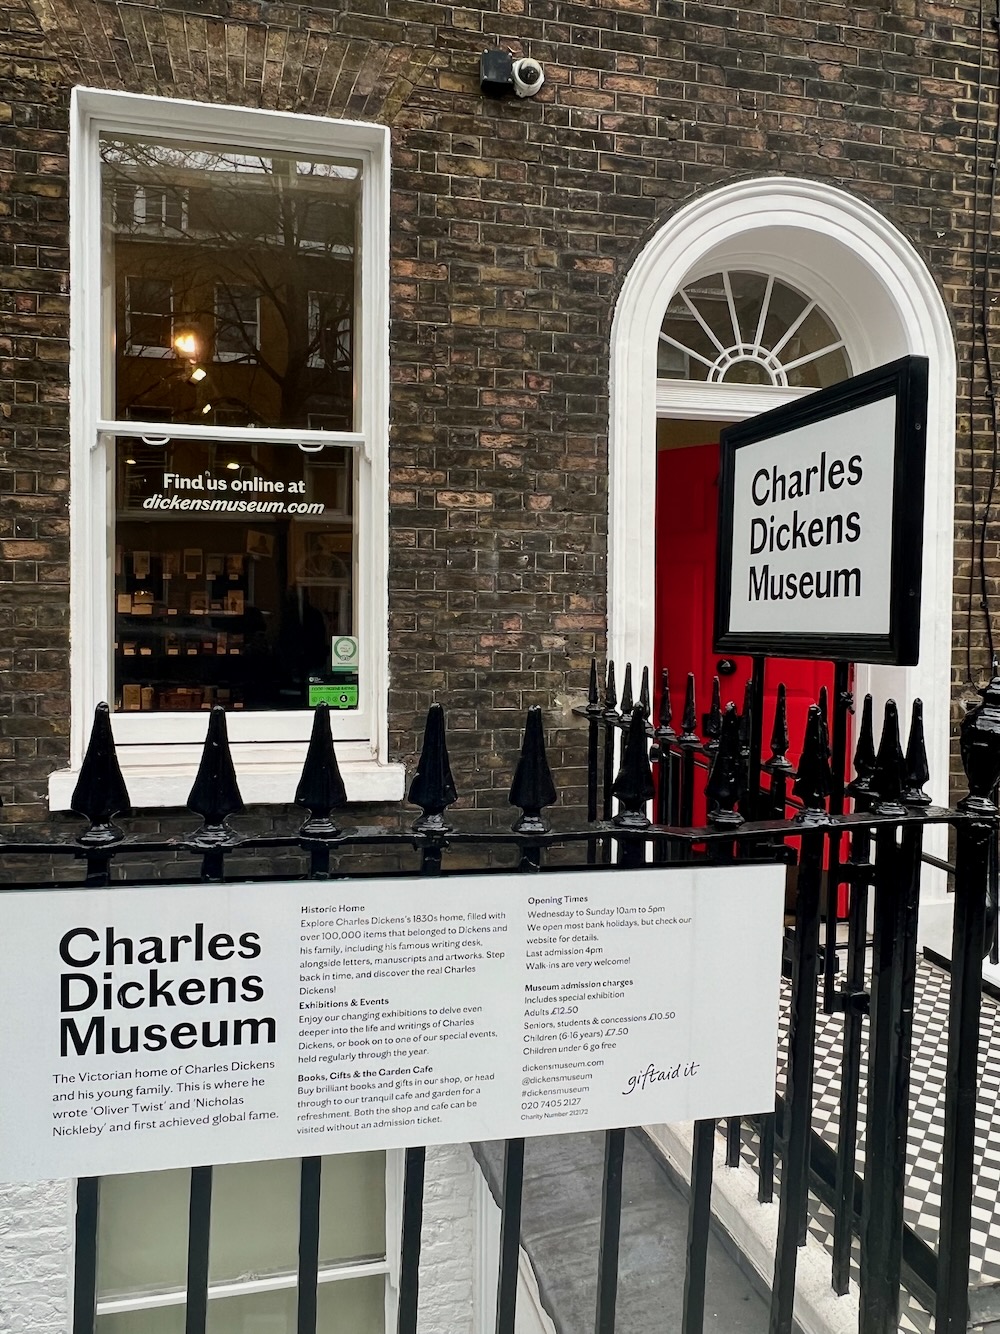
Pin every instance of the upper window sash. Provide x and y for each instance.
(261, 131)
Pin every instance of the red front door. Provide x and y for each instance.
(686, 523)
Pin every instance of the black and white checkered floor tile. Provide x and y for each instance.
(925, 1140)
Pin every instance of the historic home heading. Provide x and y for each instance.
(821, 523)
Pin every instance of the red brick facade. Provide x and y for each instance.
(514, 223)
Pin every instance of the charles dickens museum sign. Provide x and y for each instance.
(160, 1026)
(821, 523)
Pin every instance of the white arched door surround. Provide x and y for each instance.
(875, 287)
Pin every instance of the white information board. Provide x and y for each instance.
(167, 1026)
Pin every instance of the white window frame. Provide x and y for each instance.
(268, 748)
(337, 1272)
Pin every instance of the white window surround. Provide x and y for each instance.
(268, 749)
(871, 282)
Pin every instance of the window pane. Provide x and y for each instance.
(142, 1238)
(234, 574)
(237, 321)
(354, 1305)
(160, 1320)
(751, 332)
(255, 1220)
(255, 1215)
(258, 255)
(347, 1232)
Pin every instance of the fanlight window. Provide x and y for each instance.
(736, 327)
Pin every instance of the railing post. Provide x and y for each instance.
(664, 737)
(855, 1004)
(699, 1224)
(634, 788)
(812, 786)
(897, 890)
(689, 742)
(510, 1235)
(611, 718)
(958, 1160)
(980, 746)
(88, 1192)
(593, 712)
(611, 1226)
(842, 705)
(409, 1260)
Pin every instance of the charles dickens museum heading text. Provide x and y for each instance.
(776, 531)
(92, 999)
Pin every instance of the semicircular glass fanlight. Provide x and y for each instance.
(739, 327)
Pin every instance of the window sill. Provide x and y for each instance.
(261, 783)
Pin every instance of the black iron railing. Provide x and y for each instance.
(756, 811)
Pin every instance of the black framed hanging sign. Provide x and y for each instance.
(821, 507)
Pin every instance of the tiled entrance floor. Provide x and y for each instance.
(925, 1139)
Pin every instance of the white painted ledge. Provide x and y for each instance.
(169, 784)
(753, 1229)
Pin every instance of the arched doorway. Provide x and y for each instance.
(884, 303)
(731, 327)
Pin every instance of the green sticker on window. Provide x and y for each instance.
(338, 697)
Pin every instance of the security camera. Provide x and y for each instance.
(528, 76)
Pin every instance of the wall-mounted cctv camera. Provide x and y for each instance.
(500, 74)
(528, 76)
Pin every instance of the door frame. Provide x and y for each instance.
(872, 282)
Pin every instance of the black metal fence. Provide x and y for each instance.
(862, 839)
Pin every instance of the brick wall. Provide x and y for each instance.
(513, 224)
(36, 1238)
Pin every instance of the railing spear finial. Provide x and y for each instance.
(634, 785)
(980, 746)
(813, 784)
(100, 793)
(627, 703)
(726, 781)
(689, 719)
(593, 698)
(433, 788)
(610, 693)
(321, 787)
(532, 789)
(917, 770)
(644, 699)
(712, 722)
(664, 732)
(890, 771)
(864, 754)
(746, 720)
(215, 794)
(779, 762)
